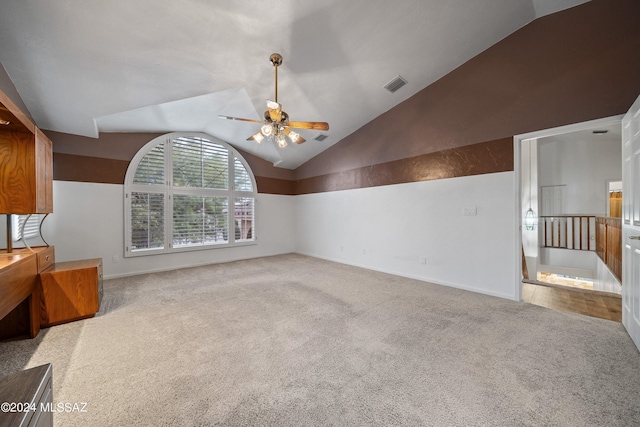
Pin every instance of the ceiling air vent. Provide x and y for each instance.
(396, 83)
(320, 137)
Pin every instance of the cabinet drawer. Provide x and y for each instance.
(46, 258)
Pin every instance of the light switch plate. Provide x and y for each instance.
(471, 211)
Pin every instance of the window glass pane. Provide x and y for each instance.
(199, 163)
(150, 170)
(215, 165)
(242, 179)
(244, 218)
(187, 163)
(147, 221)
(199, 220)
(31, 228)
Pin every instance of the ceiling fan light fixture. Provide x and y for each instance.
(282, 141)
(294, 136)
(275, 125)
(267, 129)
(273, 105)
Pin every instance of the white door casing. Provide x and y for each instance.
(631, 222)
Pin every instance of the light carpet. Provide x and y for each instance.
(296, 341)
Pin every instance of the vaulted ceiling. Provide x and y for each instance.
(85, 67)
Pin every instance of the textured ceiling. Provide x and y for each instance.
(84, 67)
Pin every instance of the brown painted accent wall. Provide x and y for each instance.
(487, 157)
(268, 185)
(118, 146)
(576, 65)
(105, 160)
(72, 167)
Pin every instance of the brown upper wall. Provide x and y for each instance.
(576, 65)
(115, 146)
(105, 160)
(123, 146)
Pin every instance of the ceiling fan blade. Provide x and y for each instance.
(309, 125)
(293, 136)
(239, 119)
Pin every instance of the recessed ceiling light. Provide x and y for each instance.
(600, 132)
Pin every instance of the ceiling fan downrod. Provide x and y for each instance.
(276, 61)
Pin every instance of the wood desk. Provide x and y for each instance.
(19, 291)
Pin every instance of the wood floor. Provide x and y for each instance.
(592, 304)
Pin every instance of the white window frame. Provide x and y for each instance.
(168, 191)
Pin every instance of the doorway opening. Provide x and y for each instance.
(562, 173)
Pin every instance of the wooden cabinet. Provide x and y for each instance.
(44, 173)
(30, 389)
(70, 291)
(26, 164)
(26, 173)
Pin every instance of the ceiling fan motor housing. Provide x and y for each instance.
(276, 59)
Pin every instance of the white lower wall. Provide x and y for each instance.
(576, 263)
(415, 230)
(88, 222)
(605, 280)
(569, 262)
(397, 227)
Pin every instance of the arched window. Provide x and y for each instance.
(186, 192)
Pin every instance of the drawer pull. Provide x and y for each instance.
(46, 258)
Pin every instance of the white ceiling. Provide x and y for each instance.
(84, 67)
(613, 135)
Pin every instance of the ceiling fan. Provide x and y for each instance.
(276, 124)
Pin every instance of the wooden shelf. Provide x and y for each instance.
(26, 173)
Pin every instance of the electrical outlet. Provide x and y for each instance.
(364, 252)
(341, 248)
(471, 211)
(115, 259)
(423, 260)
